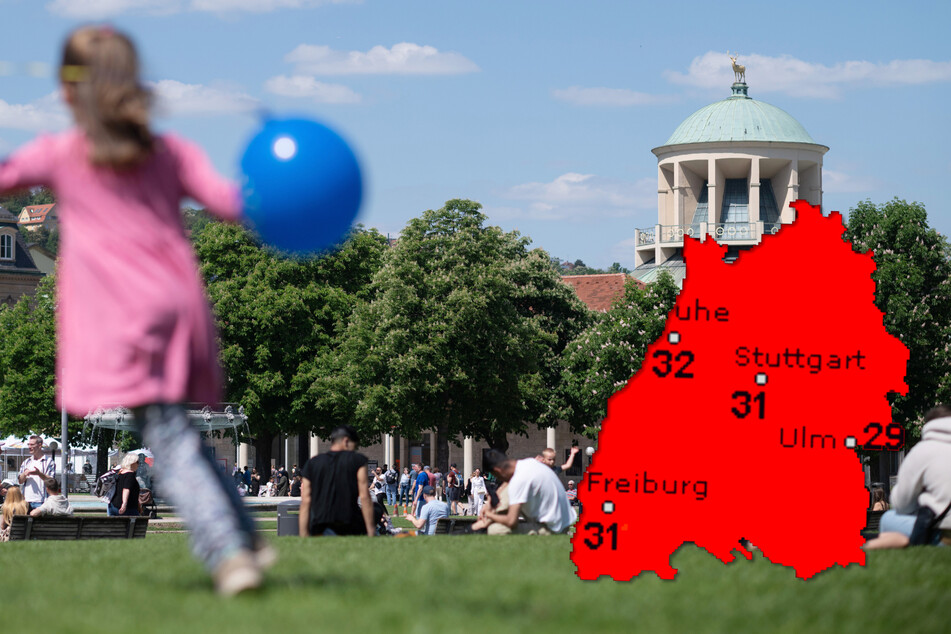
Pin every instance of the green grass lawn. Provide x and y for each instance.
(463, 584)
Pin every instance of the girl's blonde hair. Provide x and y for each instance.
(110, 105)
(14, 504)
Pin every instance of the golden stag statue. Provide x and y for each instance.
(739, 72)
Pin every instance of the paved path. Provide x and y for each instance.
(84, 503)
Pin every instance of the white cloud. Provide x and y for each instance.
(93, 9)
(834, 182)
(44, 114)
(796, 77)
(304, 86)
(404, 58)
(615, 97)
(177, 98)
(579, 197)
(260, 6)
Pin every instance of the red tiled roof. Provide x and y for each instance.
(598, 292)
(37, 213)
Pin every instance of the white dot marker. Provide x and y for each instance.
(674, 337)
(589, 451)
(285, 148)
(850, 442)
(608, 507)
(761, 379)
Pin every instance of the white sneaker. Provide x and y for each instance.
(236, 574)
(265, 555)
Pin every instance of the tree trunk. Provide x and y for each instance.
(442, 447)
(303, 449)
(262, 454)
(102, 454)
(498, 441)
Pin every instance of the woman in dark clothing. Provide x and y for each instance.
(255, 487)
(125, 499)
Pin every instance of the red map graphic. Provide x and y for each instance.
(744, 418)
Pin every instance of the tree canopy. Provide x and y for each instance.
(28, 364)
(913, 289)
(603, 358)
(461, 335)
(275, 316)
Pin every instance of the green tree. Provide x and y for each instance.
(913, 289)
(461, 335)
(275, 316)
(28, 364)
(15, 201)
(42, 236)
(603, 358)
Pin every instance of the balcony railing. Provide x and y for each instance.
(724, 232)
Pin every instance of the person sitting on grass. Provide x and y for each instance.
(533, 491)
(924, 480)
(56, 503)
(433, 510)
(332, 484)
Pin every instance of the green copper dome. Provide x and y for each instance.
(739, 118)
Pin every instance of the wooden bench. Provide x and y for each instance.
(453, 525)
(872, 521)
(61, 527)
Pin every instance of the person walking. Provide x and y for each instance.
(125, 498)
(391, 477)
(477, 498)
(404, 498)
(133, 322)
(452, 491)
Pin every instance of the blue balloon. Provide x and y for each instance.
(302, 185)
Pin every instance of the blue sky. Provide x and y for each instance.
(543, 111)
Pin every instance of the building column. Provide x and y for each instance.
(287, 452)
(243, 455)
(388, 449)
(314, 445)
(679, 187)
(713, 192)
(787, 214)
(466, 457)
(755, 213)
(550, 438)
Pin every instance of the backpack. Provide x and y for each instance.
(106, 485)
(391, 477)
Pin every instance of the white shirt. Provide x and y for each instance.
(924, 478)
(33, 489)
(56, 505)
(478, 485)
(536, 487)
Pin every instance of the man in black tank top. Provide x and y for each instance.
(332, 483)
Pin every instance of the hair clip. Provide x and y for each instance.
(72, 73)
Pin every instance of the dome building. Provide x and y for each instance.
(729, 173)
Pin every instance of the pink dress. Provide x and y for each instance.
(134, 326)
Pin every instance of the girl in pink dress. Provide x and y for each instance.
(134, 327)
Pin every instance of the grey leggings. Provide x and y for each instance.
(219, 524)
